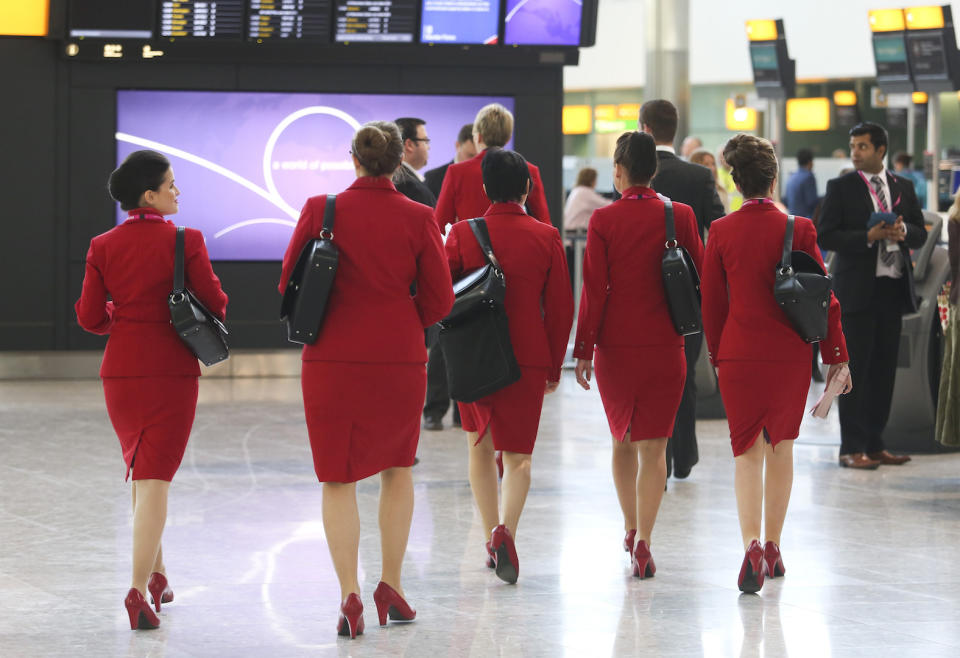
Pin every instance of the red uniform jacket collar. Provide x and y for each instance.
(639, 190)
(145, 215)
(372, 182)
(505, 209)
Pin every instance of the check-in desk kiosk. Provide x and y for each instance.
(914, 408)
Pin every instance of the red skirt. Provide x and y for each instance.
(640, 388)
(763, 396)
(362, 418)
(152, 417)
(512, 414)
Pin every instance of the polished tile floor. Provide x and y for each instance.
(873, 558)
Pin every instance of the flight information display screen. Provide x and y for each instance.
(543, 22)
(111, 19)
(890, 53)
(928, 57)
(246, 162)
(764, 58)
(460, 21)
(376, 20)
(194, 19)
(290, 19)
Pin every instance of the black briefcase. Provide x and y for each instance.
(475, 335)
(305, 298)
(681, 282)
(198, 328)
(802, 290)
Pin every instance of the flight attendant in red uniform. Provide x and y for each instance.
(462, 195)
(364, 379)
(641, 365)
(149, 375)
(539, 306)
(763, 366)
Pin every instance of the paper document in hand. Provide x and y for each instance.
(834, 386)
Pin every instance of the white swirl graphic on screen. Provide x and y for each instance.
(271, 194)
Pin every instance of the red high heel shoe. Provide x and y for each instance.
(390, 603)
(629, 540)
(159, 589)
(491, 557)
(351, 617)
(141, 616)
(771, 555)
(643, 566)
(753, 569)
(507, 563)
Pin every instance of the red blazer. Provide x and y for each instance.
(462, 195)
(133, 264)
(622, 303)
(741, 319)
(386, 242)
(539, 301)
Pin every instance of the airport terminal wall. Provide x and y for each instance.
(59, 123)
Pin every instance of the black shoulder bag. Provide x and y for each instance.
(802, 289)
(305, 299)
(681, 283)
(475, 336)
(198, 328)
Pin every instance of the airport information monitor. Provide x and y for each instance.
(543, 22)
(195, 19)
(246, 162)
(307, 20)
(376, 20)
(460, 21)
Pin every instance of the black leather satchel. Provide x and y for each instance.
(475, 336)
(305, 298)
(681, 282)
(802, 289)
(198, 328)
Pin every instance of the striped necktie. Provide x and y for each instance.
(889, 258)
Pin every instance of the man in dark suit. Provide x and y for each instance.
(416, 149)
(873, 279)
(693, 185)
(464, 150)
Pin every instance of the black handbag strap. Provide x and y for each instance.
(178, 261)
(479, 228)
(786, 261)
(668, 219)
(328, 215)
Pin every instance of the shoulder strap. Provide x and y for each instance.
(479, 228)
(178, 261)
(328, 215)
(785, 259)
(668, 218)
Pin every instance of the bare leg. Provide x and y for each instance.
(149, 517)
(158, 565)
(748, 483)
(776, 488)
(516, 484)
(625, 473)
(483, 479)
(650, 484)
(396, 514)
(341, 523)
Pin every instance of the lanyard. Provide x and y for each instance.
(755, 202)
(882, 206)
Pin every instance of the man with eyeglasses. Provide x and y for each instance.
(416, 149)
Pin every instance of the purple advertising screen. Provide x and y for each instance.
(543, 22)
(460, 21)
(245, 162)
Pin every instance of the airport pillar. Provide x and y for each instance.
(933, 147)
(668, 57)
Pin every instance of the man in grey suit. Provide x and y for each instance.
(693, 185)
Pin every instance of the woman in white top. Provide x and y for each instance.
(583, 200)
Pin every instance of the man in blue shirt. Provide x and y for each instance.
(801, 194)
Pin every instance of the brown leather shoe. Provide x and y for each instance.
(859, 460)
(889, 459)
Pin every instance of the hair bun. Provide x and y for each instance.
(378, 147)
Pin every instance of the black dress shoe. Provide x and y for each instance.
(432, 424)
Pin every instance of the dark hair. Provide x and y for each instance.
(878, 135)
(662, 118)
(587, 177)
(903, 158)
(753, 164)
(637, 153)
(140, 171)
(804, 157)
(408, 127)
(378, 148)
(505, 175)
(465, 134)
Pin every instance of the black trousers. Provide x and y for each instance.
(682, 453)
(438, 393)
(873, 341)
